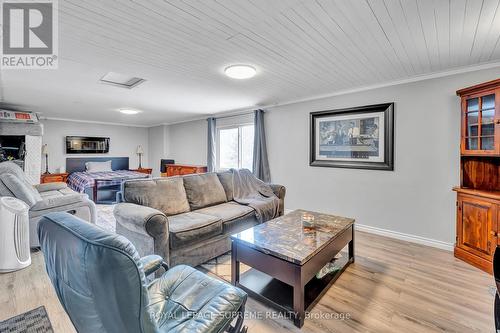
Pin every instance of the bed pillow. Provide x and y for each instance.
(98, 166)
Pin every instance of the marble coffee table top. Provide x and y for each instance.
(287, 238)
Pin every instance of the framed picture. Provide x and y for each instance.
(358, 138)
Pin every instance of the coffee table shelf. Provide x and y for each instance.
(267, 289)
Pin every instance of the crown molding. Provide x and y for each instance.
(235, 112)
(94, 122)
(417, 78)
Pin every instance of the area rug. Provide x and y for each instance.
(105, 217)
(221, 267)
(33, 321)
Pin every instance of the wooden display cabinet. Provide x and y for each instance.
(478, 196)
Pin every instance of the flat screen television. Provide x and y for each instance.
(86, 145)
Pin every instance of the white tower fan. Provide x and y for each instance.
(14, 235)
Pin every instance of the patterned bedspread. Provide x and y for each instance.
(79, 181)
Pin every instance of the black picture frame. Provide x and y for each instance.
(387, 164)
(87, 145)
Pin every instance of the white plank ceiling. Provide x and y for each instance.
(301, 49)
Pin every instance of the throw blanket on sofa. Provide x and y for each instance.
(251, 191)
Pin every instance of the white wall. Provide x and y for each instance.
(158, 147)
(415, 198)
(188, 142)
(123, 141)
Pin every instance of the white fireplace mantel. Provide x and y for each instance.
(33, 139)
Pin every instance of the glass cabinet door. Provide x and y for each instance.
(480, 124)
(472, 124)
(487, 128)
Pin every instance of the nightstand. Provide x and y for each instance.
(53, 178)
(147, 171)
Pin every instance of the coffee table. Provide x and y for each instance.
(285, 256)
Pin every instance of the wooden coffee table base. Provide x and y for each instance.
(286, 286)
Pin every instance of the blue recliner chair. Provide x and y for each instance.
(101, 282)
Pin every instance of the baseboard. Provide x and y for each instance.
(401, 236)
(405, 237)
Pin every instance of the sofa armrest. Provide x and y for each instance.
(146, 221)
(279, 191)
(152, 263)
(49, 203)
(50, 186)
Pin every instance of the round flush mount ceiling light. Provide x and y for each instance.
(240, 72)
(129, 111)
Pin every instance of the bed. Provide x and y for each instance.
(103, 186)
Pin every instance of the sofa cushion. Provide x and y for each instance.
(192, 227)
(66, 191)
(84, 209)
(52, 194)
(193, 301)
(226, 179)
(204, 190)
(58, 193)
(21, 189)
(11, 167)
(14, 180)
(58, 200)
(227, 211)
(165, 194)
(50, 186)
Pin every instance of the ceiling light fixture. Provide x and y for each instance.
(129, 111)
(240, 72)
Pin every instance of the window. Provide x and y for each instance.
(235, 147)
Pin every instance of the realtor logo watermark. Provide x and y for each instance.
(29, 34)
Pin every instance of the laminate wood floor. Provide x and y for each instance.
(394, 286)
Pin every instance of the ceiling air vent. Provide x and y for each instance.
(121, 80)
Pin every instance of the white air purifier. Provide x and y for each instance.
(14, 235)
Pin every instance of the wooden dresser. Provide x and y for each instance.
(183, 169)
(147, 171)
(53, 178)
(478, 196)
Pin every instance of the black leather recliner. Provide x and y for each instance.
(101, 282)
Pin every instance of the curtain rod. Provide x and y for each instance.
(234, 115)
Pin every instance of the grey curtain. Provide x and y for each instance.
(211, 144)
(260, 161)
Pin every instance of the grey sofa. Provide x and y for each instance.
(43, 198)
(185, 219)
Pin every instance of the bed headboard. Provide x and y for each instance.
(76, 164)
